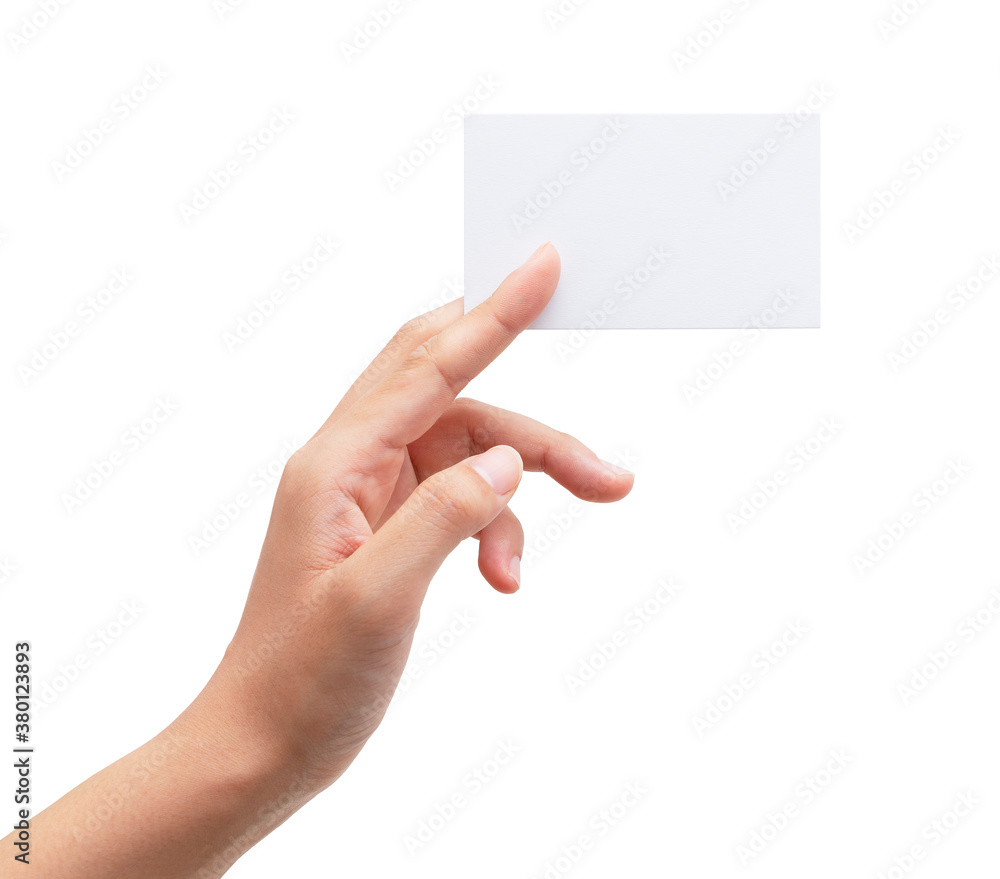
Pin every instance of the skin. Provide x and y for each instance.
(365, 513)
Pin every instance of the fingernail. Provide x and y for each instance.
(500, 467)
(538, 252)
(618, 471)
(515, 570)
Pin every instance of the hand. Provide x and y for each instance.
(364, 515)
(369, 508)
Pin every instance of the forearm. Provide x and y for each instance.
(188, 803)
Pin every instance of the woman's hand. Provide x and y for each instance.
(364, 515)
(370, 507)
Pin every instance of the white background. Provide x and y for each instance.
(67, 573)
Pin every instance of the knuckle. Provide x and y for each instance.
(297, 472)
(401, 344)
(305, 478)
(407, 331)
(449, 504)
(491, 429)
(564, 442)
(375, 620)
(426, 355)
(508, 327)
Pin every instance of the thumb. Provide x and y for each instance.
(404, 554)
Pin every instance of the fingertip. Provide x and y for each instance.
(609, 483)
(501, 466)
(526, 291)
(503, 580)
(546, 252)
(628, 482)
(514, 572)
(615, 469)
(500, 547)
(624, 482)
(546, 262)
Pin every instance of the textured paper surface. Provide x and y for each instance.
(661, 220)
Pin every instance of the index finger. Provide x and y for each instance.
(407, 402)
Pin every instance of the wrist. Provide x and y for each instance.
(261, 746)
(250, 755)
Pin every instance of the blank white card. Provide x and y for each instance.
(661, 221)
